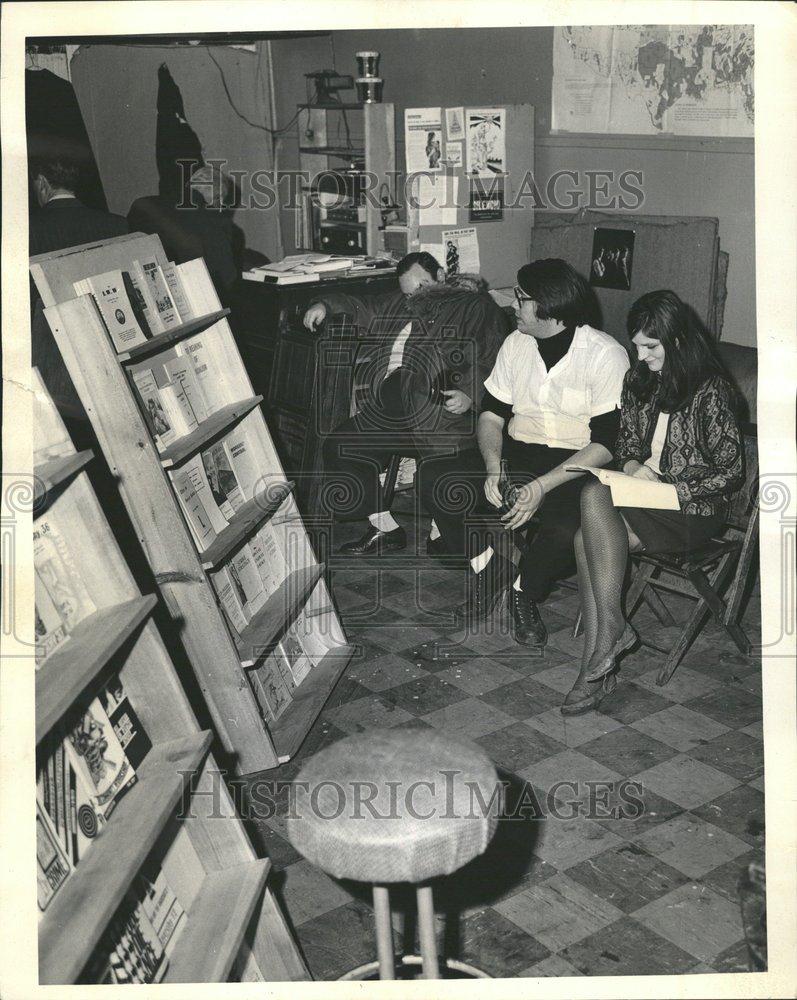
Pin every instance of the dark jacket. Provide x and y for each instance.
(67, 222)
(703, 455)
(63, 223)
(457, 329)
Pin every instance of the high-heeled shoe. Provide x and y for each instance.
(607, 663)
(592, 701)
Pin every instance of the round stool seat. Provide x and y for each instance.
(395, 806)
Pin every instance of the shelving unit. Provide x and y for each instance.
(370, 147)
(230, 912)
(220, 657)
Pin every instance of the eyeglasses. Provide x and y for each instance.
(521, 297)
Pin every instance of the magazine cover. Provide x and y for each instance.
(97, 756)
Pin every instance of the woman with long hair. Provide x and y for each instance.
(677, 425)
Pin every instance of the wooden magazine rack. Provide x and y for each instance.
(222, 660)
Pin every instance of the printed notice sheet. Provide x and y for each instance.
(423, 139)
(486, 142)
(461, 251)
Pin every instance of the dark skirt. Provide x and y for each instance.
(670, 530)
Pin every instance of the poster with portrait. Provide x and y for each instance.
(486, 142)
(423, 139)
(612, 258)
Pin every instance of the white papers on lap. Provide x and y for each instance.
(630, 491)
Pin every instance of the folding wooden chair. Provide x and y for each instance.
(704, 574)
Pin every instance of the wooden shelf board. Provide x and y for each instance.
(277, 613)
(75, 920)
(215, 424)
(65, 674)
(288, 732)
(216, 923)
(52, 473)
(162, 340)
(354, 154)
(250, 516)
(331, 106)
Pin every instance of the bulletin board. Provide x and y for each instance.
(503, 241)
(675, 252)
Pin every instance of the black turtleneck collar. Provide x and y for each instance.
(553, 349)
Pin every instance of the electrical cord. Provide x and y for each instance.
(231, 102)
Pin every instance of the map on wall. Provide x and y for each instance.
(687, 79)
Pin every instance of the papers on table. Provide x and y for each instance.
(630, 491)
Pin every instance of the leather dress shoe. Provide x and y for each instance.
(607, 664)
(375, 542)
(528, 628)
(485, 590)
(436, 547)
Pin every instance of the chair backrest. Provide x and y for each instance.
(745, 501)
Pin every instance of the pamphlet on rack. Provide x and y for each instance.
(631, 491)
(423, 139)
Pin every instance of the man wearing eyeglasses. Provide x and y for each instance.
(551, 401)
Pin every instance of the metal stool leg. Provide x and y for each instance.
(426, 932)
(384, 932)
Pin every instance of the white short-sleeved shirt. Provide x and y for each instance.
(554, 407)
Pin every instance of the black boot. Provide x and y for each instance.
(528, 628)
(436, 547)
(484, 591)
(375, 542)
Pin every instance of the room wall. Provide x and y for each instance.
(117, 88)
(452, 67)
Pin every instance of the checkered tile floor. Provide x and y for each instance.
(550, 897)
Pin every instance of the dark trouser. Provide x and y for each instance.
(452, 490)
(357, 450)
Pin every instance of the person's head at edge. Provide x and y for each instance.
(674, 351)
(550, 296)
(56, 167)
(416, 270)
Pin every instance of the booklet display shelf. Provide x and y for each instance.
(210, 911)
(182, 429)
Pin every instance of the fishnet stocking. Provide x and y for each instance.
(605, 542)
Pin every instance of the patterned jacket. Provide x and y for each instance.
(456, 332)
(703, 455)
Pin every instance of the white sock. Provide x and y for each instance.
(383, 521)
(516, 584)
(434, 531)
(478, 562)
